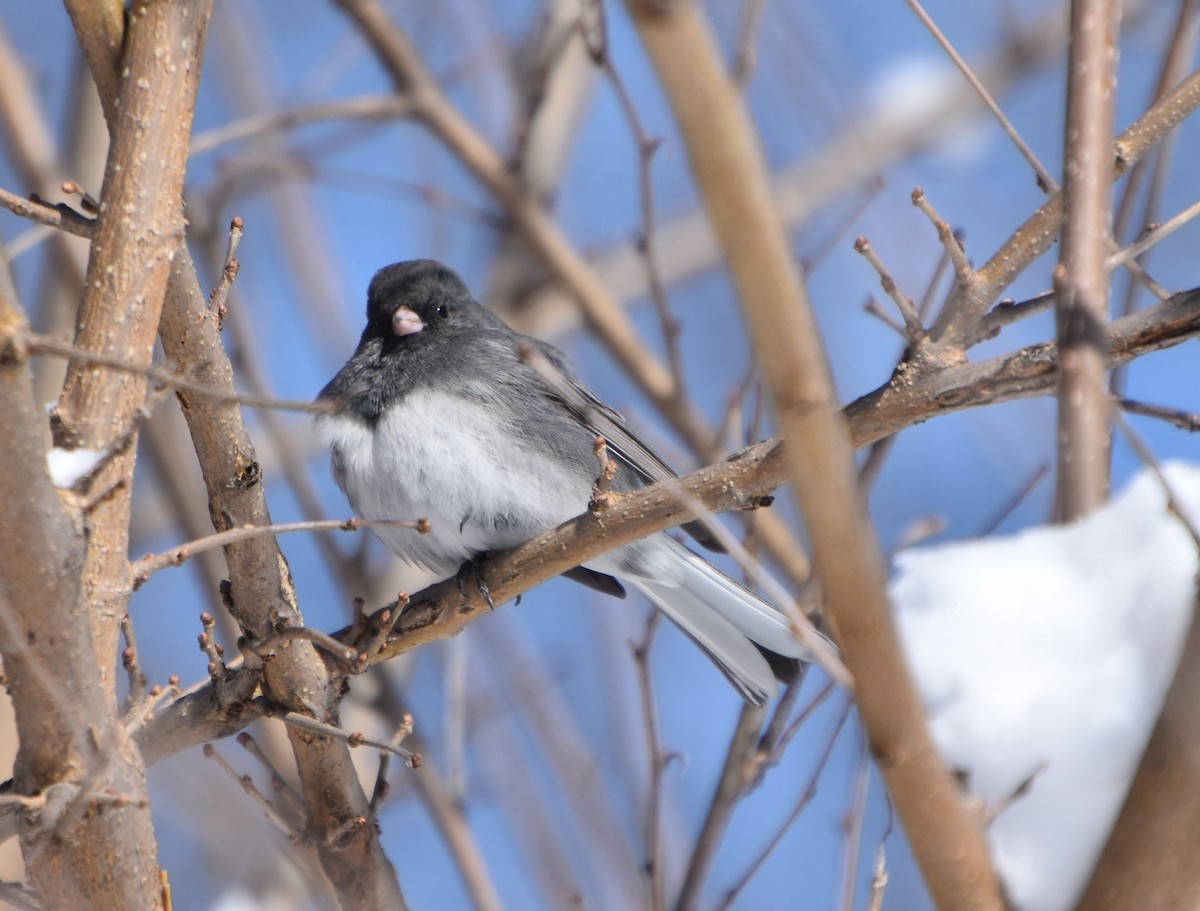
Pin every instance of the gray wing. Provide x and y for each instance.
(622, 443)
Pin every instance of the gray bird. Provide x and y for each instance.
(446, 413)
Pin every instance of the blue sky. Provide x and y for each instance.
(328, 204)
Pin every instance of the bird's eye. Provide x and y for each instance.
(443, 311)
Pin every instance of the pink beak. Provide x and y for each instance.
(406, 322)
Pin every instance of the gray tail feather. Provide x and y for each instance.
(724, 643)
(727, 620)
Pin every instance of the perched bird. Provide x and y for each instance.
(444, 412)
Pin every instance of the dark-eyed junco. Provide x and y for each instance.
(445, 413)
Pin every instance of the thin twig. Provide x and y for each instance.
(1020, 792)
(44, 344)
(213, 650)
(364, 107)
(939, 271)
(877, 455)
(879, 879)
(1146, 454)
(1045, 181)
(964, 275)
(144, 567)
(323, 640)
(835, 232)
(807, 712)
(657, 762)
(141, 713)
(1184, 420)
(596, 40)
(132, 665)
(117, 446)
(1007, 312)
(247, 784)
(602, 492)
(852, 825)
(279, 784)
(806, 797)
(780, 714)
(746, 60)
(1150, 238)
(730, 790)
(380, 792)
(60, 216)
(87, 202)
(385, 623)
(873, 308)
(220, 294)
(913, 329)
(353, 738)
(382, 789)
(1014, 501)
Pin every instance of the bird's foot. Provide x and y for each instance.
(474, 567)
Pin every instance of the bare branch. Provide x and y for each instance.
(656, 764)
(353, 738)
(913, 330)
(63, 217)
(1184, 420)
(143, 568)
(726, 161)
(246, 783)
(806, 797)
(33, 342)
(730, 789)
(958, 323)
(1152, 237)
(1081, 279)
(220, 293)
(1045, 181)
(365, 107)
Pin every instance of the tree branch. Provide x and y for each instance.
(1081, 279)
(442, 610)
(263, 597)
(260, 581)
(730, 173)
(958, 325)
(112, 861)
(136, 232)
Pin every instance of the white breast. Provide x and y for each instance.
(439, 457)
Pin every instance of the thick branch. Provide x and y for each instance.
(731, 175)
(263, 597)
(1081, 279)
(913, 395)
(138, 227)
(100, 26)
(958, 325)
(112, 856)
(1141, 866)
(261, 584)
(39, 572)
(442, 610)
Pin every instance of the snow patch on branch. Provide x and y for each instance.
(1045, 656)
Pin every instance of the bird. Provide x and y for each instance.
(445, 413)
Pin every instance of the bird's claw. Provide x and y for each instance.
(474, 567)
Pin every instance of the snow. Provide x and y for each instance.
(1048, 654)
(69, 465)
